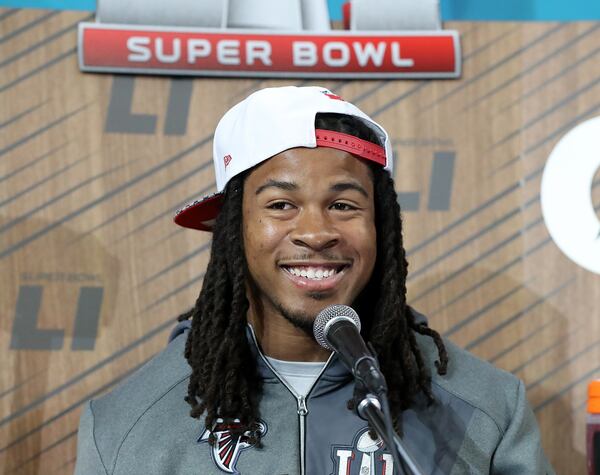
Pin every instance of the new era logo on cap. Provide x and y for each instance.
(331, 95)
(227, 159)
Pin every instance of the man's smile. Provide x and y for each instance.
(315, 276)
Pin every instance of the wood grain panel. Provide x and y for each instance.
(87, 194)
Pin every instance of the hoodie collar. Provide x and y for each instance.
(334, 374)
(335, 371)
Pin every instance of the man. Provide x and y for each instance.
(306, 216)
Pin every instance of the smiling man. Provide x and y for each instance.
(306, 216)
(309, 239)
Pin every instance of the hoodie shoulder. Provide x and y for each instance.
(117, 412)
(473, 380)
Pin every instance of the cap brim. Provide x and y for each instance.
(200, 214)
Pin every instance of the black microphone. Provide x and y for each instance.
(337, 328)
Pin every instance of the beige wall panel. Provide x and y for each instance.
(93, 166)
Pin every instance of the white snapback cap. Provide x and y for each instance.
(269, 122)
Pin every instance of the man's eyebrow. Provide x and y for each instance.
(349, 185)
(283, 185)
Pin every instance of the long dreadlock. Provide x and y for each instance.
(224, 382)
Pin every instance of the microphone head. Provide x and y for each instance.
(327, 317)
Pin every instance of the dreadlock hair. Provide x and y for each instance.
(217, 347)
(224, 381)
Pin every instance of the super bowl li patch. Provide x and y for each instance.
(364, 457)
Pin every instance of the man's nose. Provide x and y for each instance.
(315, 230)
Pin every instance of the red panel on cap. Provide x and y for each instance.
(351, 144)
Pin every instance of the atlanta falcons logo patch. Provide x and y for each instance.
(227, 448)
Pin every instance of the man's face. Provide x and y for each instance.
(309, 232)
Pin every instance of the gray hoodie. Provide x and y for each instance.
(480, 423)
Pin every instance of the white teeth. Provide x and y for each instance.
(313, 273)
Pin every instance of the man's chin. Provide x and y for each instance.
(300, 318)
(301, 321)
(319, 295)
(302, 315)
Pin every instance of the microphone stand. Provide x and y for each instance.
(368, 407)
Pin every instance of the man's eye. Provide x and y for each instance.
(281, 205)
(342, 207)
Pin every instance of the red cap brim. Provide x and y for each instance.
(200, 214)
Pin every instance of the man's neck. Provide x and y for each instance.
(282, 340)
